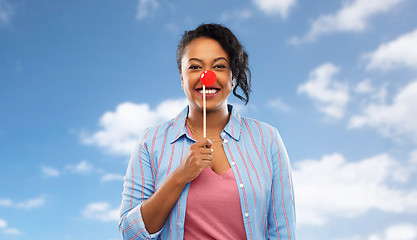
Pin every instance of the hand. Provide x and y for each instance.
(196, 159)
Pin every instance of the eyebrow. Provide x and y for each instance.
(215, 60)
(220, 58)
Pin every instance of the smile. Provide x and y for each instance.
(209, 91)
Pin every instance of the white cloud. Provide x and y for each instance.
(236, 14)
(146, 7)
(83, 167)
(381, 95)
(3, 223)
(6, 230)
(333, 186)
(397, 53)
(50, 172)
(101, 211)
(122, 128)
(404, 231)
(365, 87)
(329, 95)
(270, 7)
(413, 158)
(111, 177)
(278, 104)
(401, 232)
(25, 204)
(5, 202)
(12, 231)
(352, 17)
(173, 27)
(6, 12)
(31, 203)
(397, 119)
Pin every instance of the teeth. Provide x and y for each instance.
(209, 91)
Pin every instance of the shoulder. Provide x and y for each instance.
(258, 130)
(257, 123)
(158, 132)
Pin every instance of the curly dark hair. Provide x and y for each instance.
(234, 49)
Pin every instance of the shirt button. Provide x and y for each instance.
(233, 163)
(223, 134)
(246, 214)
(225, 140)
(241, 185)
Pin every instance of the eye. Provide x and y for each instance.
(220, 66)
(194, 67)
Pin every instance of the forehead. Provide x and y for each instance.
(204, 48)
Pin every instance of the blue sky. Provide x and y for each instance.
(80, 81)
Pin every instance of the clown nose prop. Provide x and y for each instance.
(208, 78)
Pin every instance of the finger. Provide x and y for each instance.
(208, 143)
(205, 163)
(203, 143)
(206, 150)
(206, 157)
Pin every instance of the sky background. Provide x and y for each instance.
(81, 80)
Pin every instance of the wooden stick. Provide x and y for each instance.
(204, 111)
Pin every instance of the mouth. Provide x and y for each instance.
(210, 92)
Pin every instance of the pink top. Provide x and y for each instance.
(213, 207)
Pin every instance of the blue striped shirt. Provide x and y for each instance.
(260, 164)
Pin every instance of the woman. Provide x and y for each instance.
(234, 184)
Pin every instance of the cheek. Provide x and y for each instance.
(189, 82)
(227, 80)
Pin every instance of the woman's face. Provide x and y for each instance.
(206, 54)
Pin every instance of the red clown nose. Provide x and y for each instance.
(208, 78)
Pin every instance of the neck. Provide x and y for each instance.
(216, 119)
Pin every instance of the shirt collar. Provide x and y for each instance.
(232, 128)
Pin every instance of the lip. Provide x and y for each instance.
(212, 95)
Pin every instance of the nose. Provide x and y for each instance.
(208, 78)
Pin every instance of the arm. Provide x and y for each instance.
(281, 212)
(144, 212)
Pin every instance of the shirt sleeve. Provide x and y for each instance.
(138, 186)
(281, 211)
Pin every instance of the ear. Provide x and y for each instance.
(182, 79)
